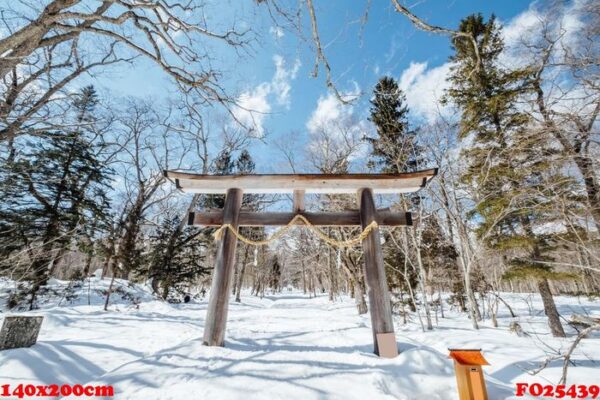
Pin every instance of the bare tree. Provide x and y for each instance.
(566, 94)
(333, 147)
(35, 95)
(160, 31)
(146, 149)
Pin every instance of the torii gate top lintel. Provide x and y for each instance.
(408, 182)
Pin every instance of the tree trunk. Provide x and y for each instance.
(494, 311)
(441, 301)
(166, 288)
(105, 266)
(88, 264)
(422, 276)
(510, 310)
(110, 287)
(331, 270)
(304, 284)
(359, 298)
(240, 281)
(473, 307)
(550, 308)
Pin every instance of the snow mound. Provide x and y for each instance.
(242, 371)
(91, 291)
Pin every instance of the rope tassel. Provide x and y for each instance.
(218, 234)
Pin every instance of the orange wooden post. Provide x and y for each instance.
(469, 375)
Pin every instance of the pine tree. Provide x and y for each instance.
(507, 162)
(167, 267)
(244, 164)
(179, 264)
(53, 189)
(393, 150)
(224, 164)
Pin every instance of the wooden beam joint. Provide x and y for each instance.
(298, 201)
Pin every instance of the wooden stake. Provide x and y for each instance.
(379, 299)
(216, 314)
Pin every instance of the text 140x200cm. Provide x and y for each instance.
(29, 390)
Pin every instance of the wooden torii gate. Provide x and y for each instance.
(365, 185)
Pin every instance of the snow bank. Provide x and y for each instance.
(278, 372)
(284, 346)
(90, 291)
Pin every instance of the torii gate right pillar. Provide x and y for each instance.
(380, 306)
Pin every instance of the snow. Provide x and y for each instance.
(283, 346)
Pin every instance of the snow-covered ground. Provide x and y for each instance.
(284, 346)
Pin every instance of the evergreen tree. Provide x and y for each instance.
(507, 162)
(166, 268)
(224, 164)
(52, 190)
(438, 253)
(393, 150)
(244, 164)
(180, 264)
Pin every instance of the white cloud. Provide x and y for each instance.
(563, 23)
(328, 111)
(572, 23)
(334, 129)
(281, 83)
(277, 31)
(522, 27)
(331, 111)
(397, 43)
(424, 88)
(254, 105)
(410, 74)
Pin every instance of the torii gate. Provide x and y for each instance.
(233, 186)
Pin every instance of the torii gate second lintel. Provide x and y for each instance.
(233, 186)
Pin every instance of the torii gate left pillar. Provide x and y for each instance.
(218, 303)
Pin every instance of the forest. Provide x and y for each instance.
(514, 209)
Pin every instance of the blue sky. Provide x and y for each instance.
(359, 55)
